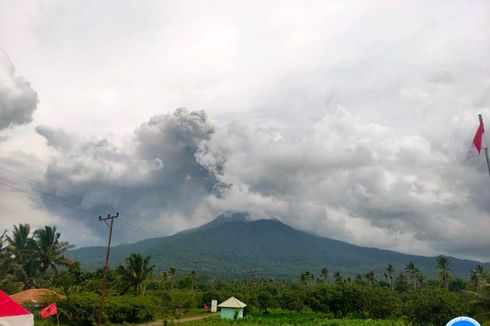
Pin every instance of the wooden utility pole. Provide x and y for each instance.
(106, 267)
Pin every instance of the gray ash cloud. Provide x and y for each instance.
(158, 174)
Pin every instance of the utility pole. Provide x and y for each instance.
(106, 267)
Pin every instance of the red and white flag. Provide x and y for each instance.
(49, 311)
(477, 142)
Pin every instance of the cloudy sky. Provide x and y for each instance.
(348, 119)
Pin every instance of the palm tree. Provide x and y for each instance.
(6, 263)
(164, 280)
(415, 275)
(306, 278)
(324, 273)
(482, 302)
(338, 277)
(8, 267)
(24, 255)
(311, 278)
(193, 275)
(401, 283)
(419, 278)
(444, 275)
(173, 272)
(4, 256)
(21, 244)
(476, 277)
(51, 249)
(370, 277)
(358, 279)
(303, 278)
(389, 276)
(136, 271)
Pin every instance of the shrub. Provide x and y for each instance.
(131, 309)
(178, 301)
(432, 306)
(291, 300)
(342, 299)
(382, 303)
(81, 309)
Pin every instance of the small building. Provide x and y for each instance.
(231, 308)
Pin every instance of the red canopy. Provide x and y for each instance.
(9, 307)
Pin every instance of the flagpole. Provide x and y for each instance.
(57, 320)
(486, 144)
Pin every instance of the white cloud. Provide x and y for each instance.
(17, 99)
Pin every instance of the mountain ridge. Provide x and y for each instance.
(233, 245)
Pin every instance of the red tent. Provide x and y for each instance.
(12, 313)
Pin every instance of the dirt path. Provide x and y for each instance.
(179, 321)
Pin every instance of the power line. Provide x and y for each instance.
(49, 196)
(103, 206)
(74, 206)
(67, 202)
(140, 230)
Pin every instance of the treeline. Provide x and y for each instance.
(136, 293)
(147, 295)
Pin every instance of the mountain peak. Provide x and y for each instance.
(227, 217)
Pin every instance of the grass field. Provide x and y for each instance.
(296, 319)
(300, 319)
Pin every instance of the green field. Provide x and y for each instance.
(279, 317)
(296, 320)
(299, 319)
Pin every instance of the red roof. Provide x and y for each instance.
(9, 307)
(36, 296)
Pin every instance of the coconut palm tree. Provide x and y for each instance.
(21, 244)
(358, 279)
(338, 277)
(419, 278)
(401, 283)
(173, 273)
(324, 273)
(51, 249)
(389, 276)
(193, 275)
(415, 275)
(8, 267)
(444, 275)
(4, 256)
(164, 280)
(135, 271)
(24, 257)
(476, 277)
(370, 278)
(303, 278)
(306, 278)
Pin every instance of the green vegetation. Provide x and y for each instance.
(136, 271)
(80, 309)
(137, 294)
(310, 319)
